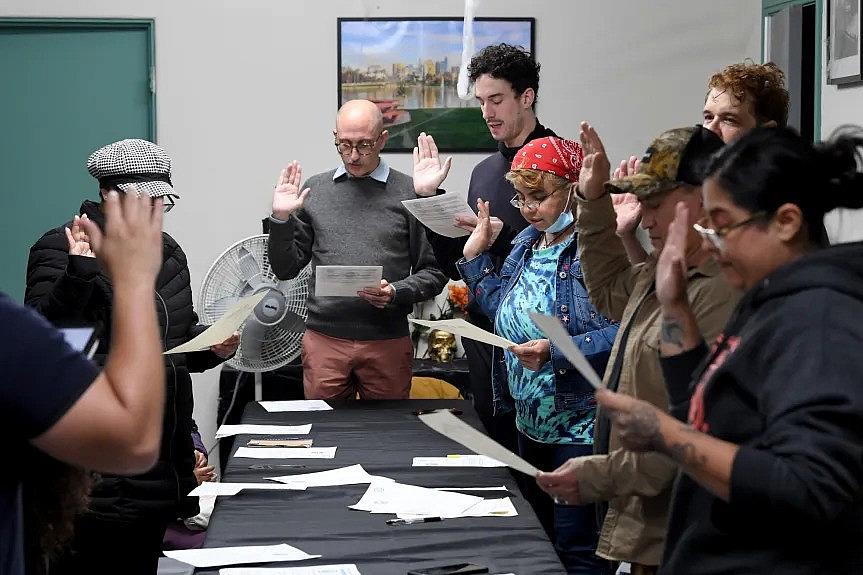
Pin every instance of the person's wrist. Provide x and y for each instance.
(283, 215)
(425, 191)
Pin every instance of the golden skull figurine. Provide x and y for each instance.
(441, 345)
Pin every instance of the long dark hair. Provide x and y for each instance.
(769, 167)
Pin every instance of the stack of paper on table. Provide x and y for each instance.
(216, 556)
(286, 452)
(352, 475)
(458, 461)
(251, 429)
(296, 405)
(410, 501)
(502, 507)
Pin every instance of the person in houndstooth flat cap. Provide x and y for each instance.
(127, 516)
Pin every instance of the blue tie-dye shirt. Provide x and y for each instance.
(533, 391)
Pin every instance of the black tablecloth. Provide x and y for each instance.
(383, 436)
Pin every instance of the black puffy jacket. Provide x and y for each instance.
(68, 288)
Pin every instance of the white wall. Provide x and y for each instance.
(840, 105)
(245, 86)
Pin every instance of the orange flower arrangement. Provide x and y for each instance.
(458, 297)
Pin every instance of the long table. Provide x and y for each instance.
(383, 436)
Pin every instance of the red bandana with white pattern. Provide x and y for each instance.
(551, 154)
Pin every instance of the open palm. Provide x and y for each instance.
(287, 197)
(596, 167)
(79, 241)
(671, 268)
(429, 172)
(481, 237)
(628, 210)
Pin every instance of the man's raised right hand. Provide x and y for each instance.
(429, 173)
(287, 197)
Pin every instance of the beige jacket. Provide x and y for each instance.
(637, 486)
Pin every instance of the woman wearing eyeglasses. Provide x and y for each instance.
(553, 403)
(772, 456)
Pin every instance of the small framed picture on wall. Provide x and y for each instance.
(843, 46)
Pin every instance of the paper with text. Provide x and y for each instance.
(464, 329)
(451, 426)
(216, 556)
(502, 507)
(346, 281)
(251, 429)
(398, 498)
(438, 213)
(561, 339)
(296, 405)
(223, 328)
(457, 461)
(286, 452)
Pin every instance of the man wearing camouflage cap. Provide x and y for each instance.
(637, 487)
(127, 516)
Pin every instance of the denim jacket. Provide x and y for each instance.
(591, 332)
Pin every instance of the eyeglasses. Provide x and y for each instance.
(364, 148)
(717, 236)
(517, 202)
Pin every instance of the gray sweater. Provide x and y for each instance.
(358, 221)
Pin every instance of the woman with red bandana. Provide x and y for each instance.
(553, 403)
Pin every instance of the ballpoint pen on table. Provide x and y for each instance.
(413, 520)
(273, 466)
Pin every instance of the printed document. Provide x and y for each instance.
(296, 405)
(223, 328)
(216, 556)
(438, 213)
(286, 452)
(346, 281)
(252, 429)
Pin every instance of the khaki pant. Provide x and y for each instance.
(335, 368)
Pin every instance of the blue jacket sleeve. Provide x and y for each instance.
(485, 285)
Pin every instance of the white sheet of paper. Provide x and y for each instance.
(286, 452)
(502, 507)
(561, 339)
(393, 497)
(346, 281)
(227, 489)
(216, 556)
(344, 569)
(501, 488)
(451, 426)
(352, 475)
(250, 429)
(464, 329)
(457, 461)
(224, 327)
(296, 405)
(438, 212)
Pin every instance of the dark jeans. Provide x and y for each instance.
(572, 528)
(501, 428)
(110, 547)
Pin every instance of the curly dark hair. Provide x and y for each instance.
(506, 62)
(54, 493)
(765, 83)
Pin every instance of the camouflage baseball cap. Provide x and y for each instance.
(676, 157)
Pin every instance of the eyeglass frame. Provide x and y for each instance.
(716, 236)
(370, 143)
(531, 205)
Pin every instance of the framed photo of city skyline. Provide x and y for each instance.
(409, 67)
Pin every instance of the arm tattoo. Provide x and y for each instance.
(685, 453)
(672, 333)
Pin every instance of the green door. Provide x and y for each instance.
(67, 87)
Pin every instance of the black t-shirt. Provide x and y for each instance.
(42, 377)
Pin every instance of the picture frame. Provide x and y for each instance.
(844, 24)
(409, 68)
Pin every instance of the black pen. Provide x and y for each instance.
(412, 521)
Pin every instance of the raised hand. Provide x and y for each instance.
(628, 210)
(131, 247)
(596, 167)
(671, 267)
(429, 172)
(287, 197)
(627, 168)
(79, 241)
(480, 238)
(468, 222)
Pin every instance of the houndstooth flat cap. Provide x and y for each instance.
(133, 164)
